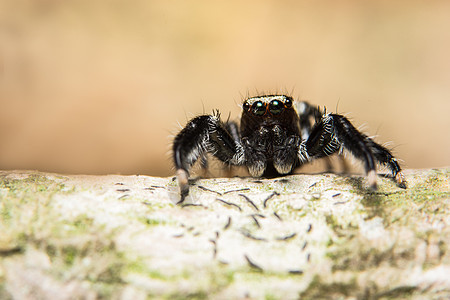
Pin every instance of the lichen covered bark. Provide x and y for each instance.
(309, 236)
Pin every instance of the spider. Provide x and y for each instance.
(276, 136)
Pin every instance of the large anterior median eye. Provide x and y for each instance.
(276, 107)
(258, 108)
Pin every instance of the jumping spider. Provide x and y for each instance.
(275, 136)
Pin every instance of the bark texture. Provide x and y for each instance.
(299, 236)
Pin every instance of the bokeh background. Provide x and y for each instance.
(102, 86)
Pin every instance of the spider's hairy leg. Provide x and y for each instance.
(385, 157)
(309, 115)
(334, 131)
(233, 129)
(188, 146)
(345, 131)
(202, 134)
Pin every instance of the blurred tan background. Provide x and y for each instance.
(100, 86)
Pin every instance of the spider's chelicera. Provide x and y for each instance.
(275, 136)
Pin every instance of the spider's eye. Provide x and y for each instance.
(288, 102)
(246, 106)
(275, 107)
(258, 108)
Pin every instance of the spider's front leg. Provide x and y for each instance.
(203, 134)
(309, 115)
(335, 131)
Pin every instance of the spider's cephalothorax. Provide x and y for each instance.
(276, 136)
(270, 134)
